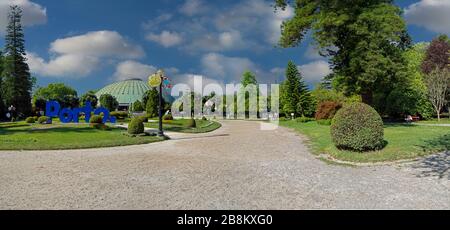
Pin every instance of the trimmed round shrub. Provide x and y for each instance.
(136, 126)
(327, 109)
(191, 123)
(30, 120)
(168, 117)
(96, 119)
(43, 120)
(357, 127)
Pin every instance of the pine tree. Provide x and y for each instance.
(290, 90)
(305, 105)
(17, 82)
(295, 97)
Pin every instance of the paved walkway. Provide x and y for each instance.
(235, 167)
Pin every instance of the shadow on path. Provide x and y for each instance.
(436, 165)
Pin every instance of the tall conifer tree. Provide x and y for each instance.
(17, 82)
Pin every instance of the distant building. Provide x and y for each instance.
(126, 92)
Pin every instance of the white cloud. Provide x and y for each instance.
(132, 69)
(71, 65)
(254, 17)
(247, 24)
(33, 13)
(217, 42)
(431, 14)
(227, 68)
(166, 38)
(312, 53)
(79, 56)
(99, 43)
(314, 72)
(193, 7)
(154, 23)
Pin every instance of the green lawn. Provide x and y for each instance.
(180, 126)
(435, 121)
(22, 136)
(404, 142)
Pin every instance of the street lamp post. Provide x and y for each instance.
(160, 107)
(156, 80)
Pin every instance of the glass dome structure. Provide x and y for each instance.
(126, 92)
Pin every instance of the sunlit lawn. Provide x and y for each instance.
(22, 136)
(404, 142)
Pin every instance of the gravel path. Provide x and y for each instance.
(235, 167)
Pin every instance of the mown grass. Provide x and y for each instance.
(22, 136)
(180, 125)
(435, 121)
(404, 142)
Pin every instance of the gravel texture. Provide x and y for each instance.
(236, 167)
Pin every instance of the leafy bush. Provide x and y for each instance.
(191, 123)
(358, 127)
(326, 122)
(30, 120)
(304, 119)
(43, 120)
(96, 119)
(168, 117)
(119, 114)
(204, 118)
(108, 101)
(137, 106)
(136, 126)
(327, 110)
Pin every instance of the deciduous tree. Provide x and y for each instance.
(363, 39)
(437, 83)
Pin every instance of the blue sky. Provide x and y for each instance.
(89, 44)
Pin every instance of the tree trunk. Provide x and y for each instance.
(439, 115)
(367, 97)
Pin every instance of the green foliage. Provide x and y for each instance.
(363, 39)
(358, 127)
(152, 103)
(295, 96)
(109, 102)
(17, 82)
(191, 123)
(408, 97)
(137, 106)
(89, 96)
(96, 119)
(326, 122)
(304, 119)
(120, 115)
(136, 126)
(30, 120)
(65, 95)
(2, 105)
(327, 109)
(249, 79)
(168, 117)
(43, 120)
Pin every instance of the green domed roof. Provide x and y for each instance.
(126, 92)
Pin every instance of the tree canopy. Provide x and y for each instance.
(363, 39)
(65, 95)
